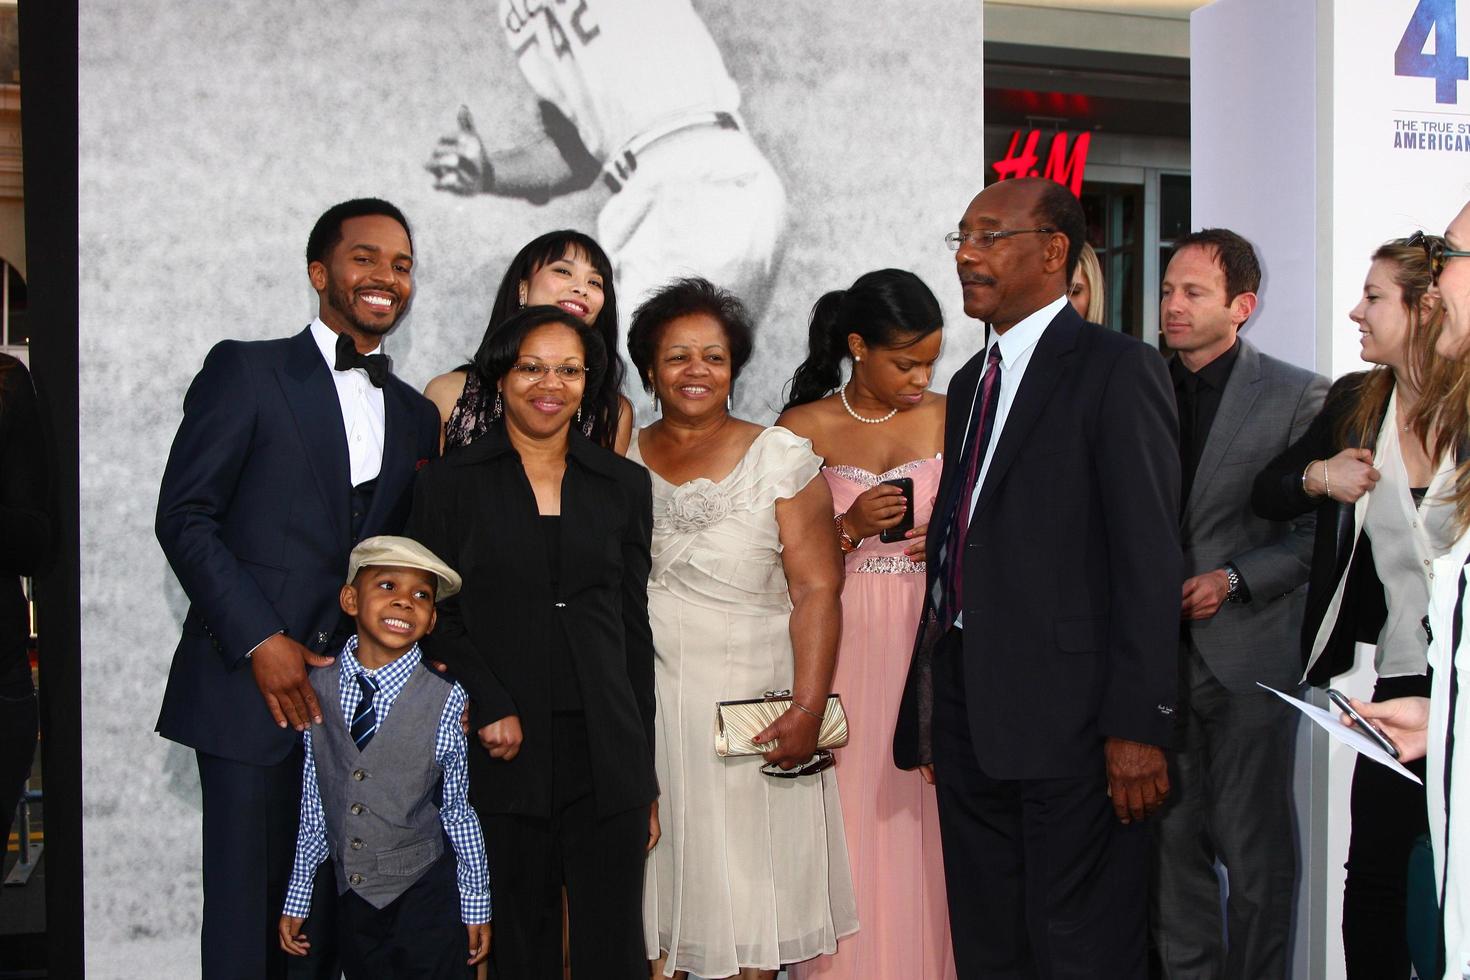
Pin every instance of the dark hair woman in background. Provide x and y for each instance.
(25, 545)
(743, 599)
(569, 270)
(1376, 465)
(550, 637)
(881, 423)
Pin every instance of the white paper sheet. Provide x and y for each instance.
(1350, 737)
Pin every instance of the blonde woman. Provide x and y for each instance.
(1086, 294)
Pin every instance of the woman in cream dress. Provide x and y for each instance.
(751, 871)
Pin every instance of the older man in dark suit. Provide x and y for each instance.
(1241, 609)
(1044, 677)
(290, 451)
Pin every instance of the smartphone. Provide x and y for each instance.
(1362, 724)
(896, 533)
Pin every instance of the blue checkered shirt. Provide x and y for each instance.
(456, 814)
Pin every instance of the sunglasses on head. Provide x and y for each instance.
(1436, 250)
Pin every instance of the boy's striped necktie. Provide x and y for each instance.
(365, 721)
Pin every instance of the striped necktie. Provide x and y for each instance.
(365, 721)
(948, 594)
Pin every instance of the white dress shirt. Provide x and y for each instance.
(1016, 346)
(363, 417)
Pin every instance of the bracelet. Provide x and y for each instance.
(801, 707)
(845, 540)
(1305, 470)
(1326, 480)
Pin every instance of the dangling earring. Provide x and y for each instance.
(656, 406)
(579, 414)
(587, 427)
(730, 400)
(521, 299)
(496, 408)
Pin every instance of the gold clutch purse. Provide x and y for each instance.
(737, 722)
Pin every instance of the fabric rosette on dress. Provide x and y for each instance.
(696, 505)
(751, 871)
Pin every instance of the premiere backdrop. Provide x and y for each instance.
(211, 137)
(1356, 130)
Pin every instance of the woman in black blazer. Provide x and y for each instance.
(550, 637)
(1374, 466)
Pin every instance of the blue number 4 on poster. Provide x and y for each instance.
(1445, 66)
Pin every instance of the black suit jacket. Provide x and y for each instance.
(253, 515)
(1278, 495)
(26, 526)
(475, 509)
(1072, 562)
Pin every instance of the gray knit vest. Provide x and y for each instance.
(382, 822)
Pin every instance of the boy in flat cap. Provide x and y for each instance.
(371, 792)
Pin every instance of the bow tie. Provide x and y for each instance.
(376, 365)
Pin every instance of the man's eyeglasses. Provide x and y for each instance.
(985, 239)
(535, 371)
(1436, 250)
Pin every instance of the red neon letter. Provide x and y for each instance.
(1018, 165)
(1063, 170)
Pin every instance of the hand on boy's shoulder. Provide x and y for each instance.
(479, 942)
(279, 664)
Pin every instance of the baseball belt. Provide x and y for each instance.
(620, 166)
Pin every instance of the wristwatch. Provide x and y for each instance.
(1234, 593)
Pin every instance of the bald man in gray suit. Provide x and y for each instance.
(1241, 613)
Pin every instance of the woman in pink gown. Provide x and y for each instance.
(882, 424)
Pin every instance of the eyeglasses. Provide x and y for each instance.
(1436, 251)
(534, 371)
(985, 239)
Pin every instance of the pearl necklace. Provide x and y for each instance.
(842, 393)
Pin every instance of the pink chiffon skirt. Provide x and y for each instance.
(891, 817)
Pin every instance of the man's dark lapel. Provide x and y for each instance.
(1048, 361)
(1236, 401)
(307, 384)
(400, 455)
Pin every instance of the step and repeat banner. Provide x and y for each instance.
(1320, 131)
(1400, 138)
(211, 137)
(1399, 143)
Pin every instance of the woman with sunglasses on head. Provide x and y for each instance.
(569, 270)
(1376, 465)
(751, 872)
(550, 637)
(1437, 728)
(880, 425)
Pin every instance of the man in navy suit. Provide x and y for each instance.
(1044, 677)
(289, 453)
